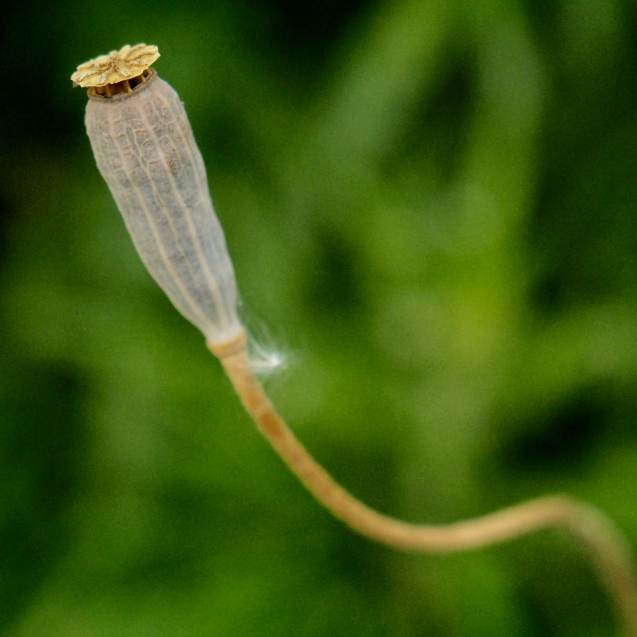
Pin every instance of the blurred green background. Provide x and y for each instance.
(431, 211)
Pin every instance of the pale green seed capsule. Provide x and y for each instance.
(145, 150)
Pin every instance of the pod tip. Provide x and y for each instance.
(115, 68)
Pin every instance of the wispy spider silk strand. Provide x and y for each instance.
(146, 152)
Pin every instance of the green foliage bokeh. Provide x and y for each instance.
(431, 211)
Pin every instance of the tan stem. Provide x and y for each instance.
(609, 550)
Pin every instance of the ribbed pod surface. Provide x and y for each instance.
(146, 152)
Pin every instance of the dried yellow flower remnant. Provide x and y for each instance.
(127, 63)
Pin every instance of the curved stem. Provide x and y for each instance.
(608, 548)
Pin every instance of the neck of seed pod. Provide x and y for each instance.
(125, 86)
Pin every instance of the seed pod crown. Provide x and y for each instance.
(117, 66)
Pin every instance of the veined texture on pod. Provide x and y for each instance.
(146, 152)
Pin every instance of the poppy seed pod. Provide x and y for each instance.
(145, 150)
